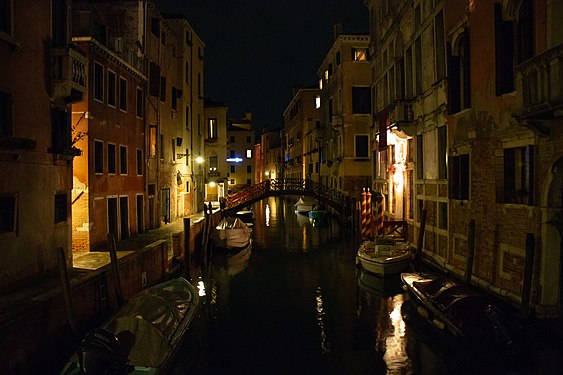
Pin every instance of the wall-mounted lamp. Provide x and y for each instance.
(199, 160)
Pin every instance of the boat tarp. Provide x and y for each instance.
(231, 232)
(154, 317)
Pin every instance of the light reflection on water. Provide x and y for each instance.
(395, 356)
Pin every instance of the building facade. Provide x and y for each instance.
(240, 153)
(345, 115)
(300, 117)
(215, 158)
(41, 76)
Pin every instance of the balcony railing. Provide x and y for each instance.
(68, 74)
(539, 89)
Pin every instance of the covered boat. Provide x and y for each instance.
(318, 215)
(304, 205)
(231, 232)
(143, 336)
(456, 308)
(384, 256)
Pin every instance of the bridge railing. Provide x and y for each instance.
(294, 186)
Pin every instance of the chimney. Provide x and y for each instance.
(337, 30)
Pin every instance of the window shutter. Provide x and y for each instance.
(499, 176)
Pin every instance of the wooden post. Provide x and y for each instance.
(418, 254)
(187, 253)
(115, 268)
(65, 284)
(470, 251)
(528, 268)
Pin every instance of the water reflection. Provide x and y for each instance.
(267, 215)
(395, 355)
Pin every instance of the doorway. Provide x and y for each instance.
(112, 217)
(124, 216)
(166, 205)
(140, 224)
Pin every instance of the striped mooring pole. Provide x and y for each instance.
(377, 224)
(363, 229)
(369, 229)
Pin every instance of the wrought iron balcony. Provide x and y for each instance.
(539, 89)
(68, 74)
(401, 115)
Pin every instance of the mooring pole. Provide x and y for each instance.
(418, 254)
(470, 251)
(187, 253)
(528, 268)
(67, 294)
(115, 268)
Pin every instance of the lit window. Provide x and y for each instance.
(152, 141)
(320, 84)
(249, 154)
(360, 54)
(318, 102)
(326, 75)
(212, 128)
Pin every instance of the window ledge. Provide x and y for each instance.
(14, 43)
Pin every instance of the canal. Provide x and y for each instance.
(297, 304)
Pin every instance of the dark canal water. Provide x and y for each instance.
(297, 304)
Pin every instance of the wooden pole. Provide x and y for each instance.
(418, 254)
(115, 268)
(187, 252)
(528, 268)
(470, 251)
(67, 294)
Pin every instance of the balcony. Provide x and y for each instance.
(539, 90)
(401, 116)
(68, 74)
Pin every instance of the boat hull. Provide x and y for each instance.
(382, 260)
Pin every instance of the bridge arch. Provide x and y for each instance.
(342, 203)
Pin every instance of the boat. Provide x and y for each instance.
(457, 309)
(304, 205)
(318, 215)
(246, 215)
(231, 233)
(384, 256)
(143, 336)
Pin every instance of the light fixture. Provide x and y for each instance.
(199, 160)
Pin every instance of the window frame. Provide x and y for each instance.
(123, 162)
(112, 159)
(109, 94)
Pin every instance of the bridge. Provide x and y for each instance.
(342, 203)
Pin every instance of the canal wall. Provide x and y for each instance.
(36, 333)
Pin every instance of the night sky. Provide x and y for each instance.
(258, 50)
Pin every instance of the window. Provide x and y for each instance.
(518, 175)
(418, 66)
(249, 154)
(152, 141)
(8, 204)
(123, 159)
(362, 146)
(419, 157)
(361, 100)
(6, 128)
(188, 117)
(213, 163)
(123, 94)
(140, 163)
(59, 22)
(175, 95)
(6, 16)
(155, 26)
(111, 88)
(459, 81)
(232, 153)
(232, 139)
(459, 177)
(337, 58)
(442, 151)
(98, 82)
(232, 181)
(161, 146)
(187, 73)
(248, 181)
(504, 53)
(60, 131)
(162, 89)
(98, 157)
(249, 169)
(359, 54)
(111, 158)
(525, 32)
(318, 102)
(248, 139)
(442, 215)
(440, 46)
(61, 207)
(173, 149)
(212, 128)
(140, 103)
(233, 169)
(154, 79)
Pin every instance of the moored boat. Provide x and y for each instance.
(383, 256)
(144, 335)
(458, 309)
(231, 233)
(304, 205)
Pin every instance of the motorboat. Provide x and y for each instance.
(304, 205)
(231, 233)
(143, 336)
(383, 256)
(458, 309)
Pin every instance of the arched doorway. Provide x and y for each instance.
(551, 277)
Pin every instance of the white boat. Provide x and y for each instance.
(231, 232)
(143, 337)
(304, 205)
(383, 256)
